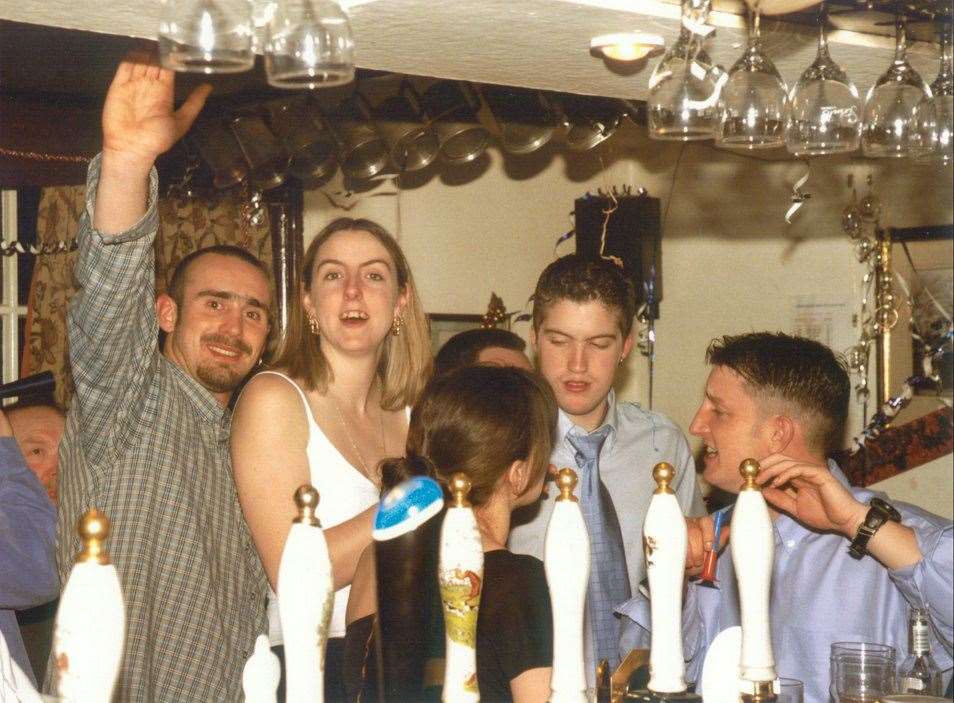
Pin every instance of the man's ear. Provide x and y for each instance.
(627, 346)
(783, 429)
(167, 312)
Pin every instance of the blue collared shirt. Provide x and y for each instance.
(821, 595)
(27, 541)
(637, 441)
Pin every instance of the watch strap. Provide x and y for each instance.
(879, 512)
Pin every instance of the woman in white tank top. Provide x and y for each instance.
(355, 356)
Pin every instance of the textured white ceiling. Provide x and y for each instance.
(533, 43)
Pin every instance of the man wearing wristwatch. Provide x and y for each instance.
(848, 563)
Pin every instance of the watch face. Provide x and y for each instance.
(886, 509)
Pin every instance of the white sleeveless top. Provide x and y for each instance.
(344, 492)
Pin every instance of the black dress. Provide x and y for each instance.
(514, 630)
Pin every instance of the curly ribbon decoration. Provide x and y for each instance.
(798, 197)
(892, 406)
(562, 238)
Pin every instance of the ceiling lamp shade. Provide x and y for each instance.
(627, 46)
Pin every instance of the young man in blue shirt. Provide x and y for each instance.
(784, 400)
(583, 313)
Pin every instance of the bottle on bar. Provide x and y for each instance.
(919, 672)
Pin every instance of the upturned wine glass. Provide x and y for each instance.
(206, 36)
(889, 117)
(684, 87)
(309, 44)
(932, 138)
(752, 103)
(824, 108)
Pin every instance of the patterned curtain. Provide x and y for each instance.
(185, 225)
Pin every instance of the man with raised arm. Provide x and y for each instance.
(848, 564)
(146, 439)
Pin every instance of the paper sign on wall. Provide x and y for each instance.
(825, 319)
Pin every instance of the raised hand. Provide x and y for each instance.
(139, 119)
(810, 494)
(139, 123)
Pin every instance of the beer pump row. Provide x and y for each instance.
(408, 532)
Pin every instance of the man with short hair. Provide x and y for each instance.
(38, 427)
(37, 424)
(27, 527)
(482, 346)
(582, 332)
(783, 400)
(147, 434)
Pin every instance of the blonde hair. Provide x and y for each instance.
(406, 359)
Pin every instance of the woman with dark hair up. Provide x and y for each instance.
(335, 403)
(496, 425)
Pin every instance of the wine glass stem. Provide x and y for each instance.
(755, 36)
(945, 52)
(900, 39)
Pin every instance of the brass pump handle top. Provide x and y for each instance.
(459, 488)
(566, 481)
(93, 528)
(306, 502)
(664, 474)
(749, 469)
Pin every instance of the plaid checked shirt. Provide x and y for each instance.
(147, 445)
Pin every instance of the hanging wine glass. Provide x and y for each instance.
(932, 137)
(752, 103)
(891, 103)
(206, 36)
(309, 45)
(824, 108)
(684, 87)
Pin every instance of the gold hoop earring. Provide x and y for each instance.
(313, 325)
(397, 325)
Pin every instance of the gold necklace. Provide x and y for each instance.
(354, 445)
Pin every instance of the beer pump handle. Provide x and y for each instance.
(460, 577)
(90, 621)
(753, 552)
(261, 674)
(566, 561)
(664, 542)
(305, 599)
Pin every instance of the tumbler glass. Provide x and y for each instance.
(862, 672)
(791, 691)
